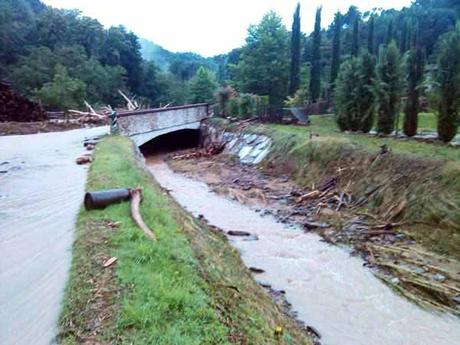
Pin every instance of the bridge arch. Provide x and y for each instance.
(144, 125)
(172, 141)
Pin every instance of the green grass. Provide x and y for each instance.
(325, 127)
(178, 290)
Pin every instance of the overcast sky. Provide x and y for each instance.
(207, 27)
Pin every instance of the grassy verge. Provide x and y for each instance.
(189, 287)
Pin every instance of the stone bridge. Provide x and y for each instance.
(147, 124)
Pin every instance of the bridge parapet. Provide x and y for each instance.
(145, 125)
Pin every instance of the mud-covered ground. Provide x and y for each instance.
(14, 128)
(387, 248)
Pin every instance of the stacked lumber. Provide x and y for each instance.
(15, 107)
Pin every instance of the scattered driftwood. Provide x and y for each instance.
(211, 149)
(110, 262)
(131, 103)
(87, 117)
(136, 197)
(238, 233)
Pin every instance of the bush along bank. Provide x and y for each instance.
(188, 287)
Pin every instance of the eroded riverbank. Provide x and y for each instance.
(329, 289)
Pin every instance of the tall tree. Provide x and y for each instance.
(263, 66)
(335, 64)
(315, 74)
(414, 76)
(295, 52)
(403, 40)
(448, 78)
(202, 86)
(354, 100)
(389, 36)
(370, 35)
(355, 39)
(388, 88)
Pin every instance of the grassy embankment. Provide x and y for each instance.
(189, 287)
(414, 182)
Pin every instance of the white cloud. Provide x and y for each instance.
(208, 27)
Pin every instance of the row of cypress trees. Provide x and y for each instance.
(366, 86)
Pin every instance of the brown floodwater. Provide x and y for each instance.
(327, 287)
(41, 189)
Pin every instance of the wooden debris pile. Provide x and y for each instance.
(211, 149)
(90, 116)
(15, 107)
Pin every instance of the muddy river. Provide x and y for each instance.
(329, 289)
(41, 189)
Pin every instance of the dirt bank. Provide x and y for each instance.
(15, 128)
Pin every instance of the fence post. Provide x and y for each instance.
(114, 123)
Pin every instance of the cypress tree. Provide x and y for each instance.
(345, 99)
(335, 65)
(370, 36)
(448, 78)
(355, 39)
(354, 99)
(415, 76)
(403, 41)
(365, 94)
(295, 52)
(389, 32)
(388, 88)
(315, 74)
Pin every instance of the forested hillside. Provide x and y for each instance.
(368, 67)
(62, 58)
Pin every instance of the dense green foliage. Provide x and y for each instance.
(263, 66)
(355, 42)
(415, 77)
(388, 88)
(37, 41)
(335, 63)
(295, 52)
(43, 49)
(354, 100)
(448, 78)
(202, 86)
(315, 74)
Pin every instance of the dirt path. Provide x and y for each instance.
(41, 189)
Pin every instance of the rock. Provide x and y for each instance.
(395, 280)
(419, 270)
(84, 160)
(313, 225)
(90, 147)
(238, 233)
(439, 277)
(456, 299)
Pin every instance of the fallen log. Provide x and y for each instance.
(136, 197)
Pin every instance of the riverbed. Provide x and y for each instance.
(41, 189)
(328, 288)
